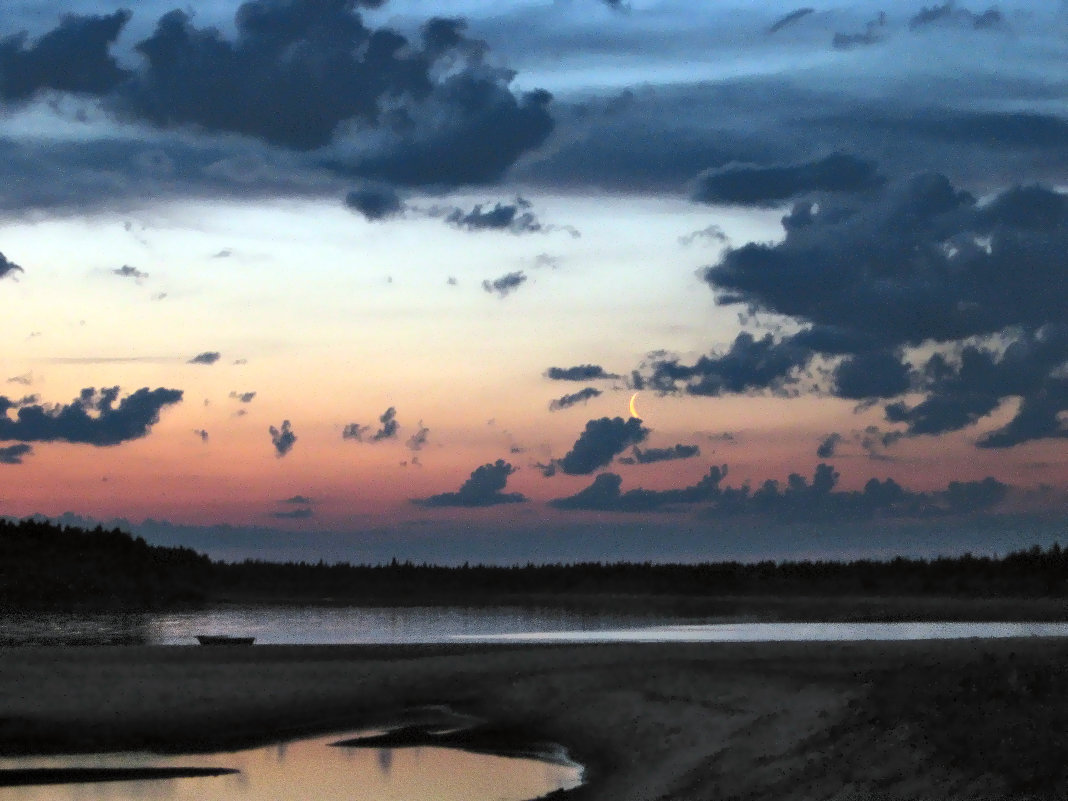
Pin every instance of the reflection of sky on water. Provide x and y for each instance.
(311, 769)
(311, 625)
(788, 632)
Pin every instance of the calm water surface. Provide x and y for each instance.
(281, 625)
(307, 770)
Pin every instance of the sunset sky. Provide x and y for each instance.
(364, 269)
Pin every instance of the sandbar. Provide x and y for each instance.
(932, 719)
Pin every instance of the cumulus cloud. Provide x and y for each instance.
(870, 35)
(506, 284)
(283, 438)
(484, 488)
(751, 185)
(8, 267)
(924, 263)
(243, 397)
(375, 202)
(749, 364)
(387, 430)
(600, 442)
(651, 455)
(829, 445)
(301, 76)
(13, 454)
(72, 57)
(207, 357)
(580, 372)
(92, 418)
(515, 218)
(949, 13)
(126, 271)
(574, 398)
(417, 440)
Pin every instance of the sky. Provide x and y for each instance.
(537, 281)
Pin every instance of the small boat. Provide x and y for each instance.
(224, 639)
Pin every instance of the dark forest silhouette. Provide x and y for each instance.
(45, 565)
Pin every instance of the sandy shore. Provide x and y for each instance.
(950, 719)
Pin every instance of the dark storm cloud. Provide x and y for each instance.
(515, 218)
(651, 455)
(243, 397)
(580, 372)
(92, 418)
(7, 267)
(72, 57)
(506, 284)
(417, 440)
(750, 185)
(877, 374)
(604, 495)
(829, 445)
(749, 364)
(387, 430)
(964, 389)
(13, 454)
(298, 71)
(207, 357)
(922, 263)
(375, 202)
(302, 75)
(600, 442)
(484, 488)
(282, 438)
(567, 401)
(126, 271)
(789, 19)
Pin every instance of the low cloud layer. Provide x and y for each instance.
(797, 499)
(485, 487)
(93, 418)
(750, 185)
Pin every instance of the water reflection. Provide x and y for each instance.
(311, 625)
(311, 769)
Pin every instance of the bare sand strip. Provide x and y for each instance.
(949, 719)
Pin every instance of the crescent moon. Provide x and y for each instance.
(633, 408)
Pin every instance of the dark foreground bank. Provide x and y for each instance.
(956, 719)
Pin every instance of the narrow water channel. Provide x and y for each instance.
(309, 770)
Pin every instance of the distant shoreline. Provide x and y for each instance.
(786, 720)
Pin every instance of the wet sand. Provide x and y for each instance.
(949, 719)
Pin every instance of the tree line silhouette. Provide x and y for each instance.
(46, 565)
